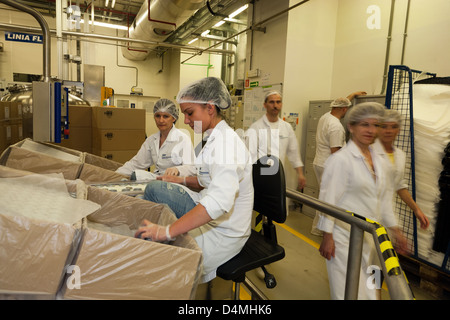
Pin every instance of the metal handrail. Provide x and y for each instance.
(394, 276)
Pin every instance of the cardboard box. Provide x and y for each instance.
(118, 118)
(117, 139)
(36, 256)
(11, 132)
(39, 157)
(80, 116)
(10, 110)
(117, 266)
(80, 138)
(34, 252)
(120, 156)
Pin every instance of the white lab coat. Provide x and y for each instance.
(398, 168)
(262, 140)
(175, 151)
(224, 170)
(348, 183)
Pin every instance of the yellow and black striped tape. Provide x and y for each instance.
(387, 249)
(258, 222)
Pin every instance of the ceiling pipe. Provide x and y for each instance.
(81, 35)
(155, 21)
(45, 35)
(254, 27)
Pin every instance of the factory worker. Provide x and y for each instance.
(356, 179)
(271, 135)
(330, 137)
(218, 214)
(388, 130)
(168, 148)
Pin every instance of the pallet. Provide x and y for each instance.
(427, 277)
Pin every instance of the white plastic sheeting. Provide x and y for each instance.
(43, 197)
(431, 112)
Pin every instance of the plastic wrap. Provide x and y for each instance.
(43, 197)
(27, 160)
(44, 158)
(116, 266)
(33, 252)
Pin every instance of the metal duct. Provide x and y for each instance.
(155, 21)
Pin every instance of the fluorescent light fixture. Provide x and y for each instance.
(193, 40)
(113, 3)
(106, 3)
(204, 33)
(107, 25)
(218, 24)
(238, 11)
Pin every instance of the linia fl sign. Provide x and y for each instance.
(23, 37)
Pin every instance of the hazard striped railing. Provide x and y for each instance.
(394, 276)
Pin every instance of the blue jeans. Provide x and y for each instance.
(171, 194)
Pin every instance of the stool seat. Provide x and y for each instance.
(257, 251)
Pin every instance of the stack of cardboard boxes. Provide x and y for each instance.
(11, 130)
(113, 133)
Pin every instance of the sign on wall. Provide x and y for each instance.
(23, 37)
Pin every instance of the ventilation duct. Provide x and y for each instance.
(155, 21)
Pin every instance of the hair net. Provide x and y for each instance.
(271, 93)
(340, 103)
(207, 90)
(166, 105)
(391, 116)
(365, 110)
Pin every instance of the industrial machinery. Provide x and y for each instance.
(40, 122)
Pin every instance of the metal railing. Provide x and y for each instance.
(394, 276)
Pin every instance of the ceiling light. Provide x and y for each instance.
(113, 3)
(193, 40)
(107, 25)
(204, 33)
(218, 24)
(106, 3)
(238, 11)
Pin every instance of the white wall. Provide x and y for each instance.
(360, 52)
(309, 61)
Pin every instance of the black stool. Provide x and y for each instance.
(261, 248)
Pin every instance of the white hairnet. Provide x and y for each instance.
(340, 102)
(365, 110)
(166, 105)
(207, 90)
(392, 116)
(271, 93)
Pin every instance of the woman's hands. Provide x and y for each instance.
(153, 232)
(327, 248)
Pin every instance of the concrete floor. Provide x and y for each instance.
(301, 275)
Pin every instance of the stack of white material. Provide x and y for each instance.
(44, 197)
(431, 112)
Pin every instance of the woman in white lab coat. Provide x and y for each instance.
(219, 215)
(167, 148)
(396, 158)
(355, 179)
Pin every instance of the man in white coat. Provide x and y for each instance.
(271, 135)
